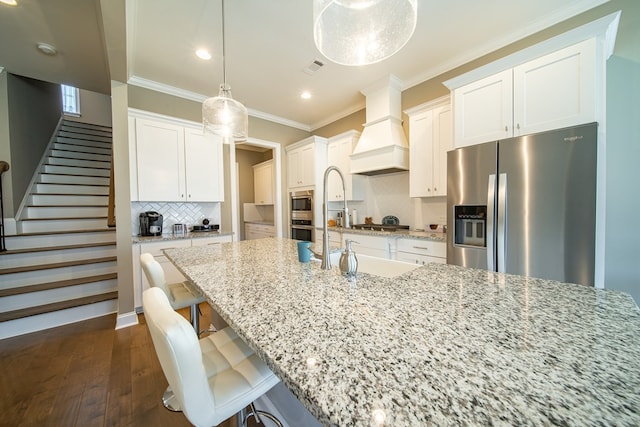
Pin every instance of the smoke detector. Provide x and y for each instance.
(47, 49)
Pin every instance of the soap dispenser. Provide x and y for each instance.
(348, 260)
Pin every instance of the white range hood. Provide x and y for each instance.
(382, 147)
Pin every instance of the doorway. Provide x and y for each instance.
(254, 151)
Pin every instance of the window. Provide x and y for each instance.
(70, 100)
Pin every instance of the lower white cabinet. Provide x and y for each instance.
(172, 274)
(377, 246)
(254, 231)
(418, 251)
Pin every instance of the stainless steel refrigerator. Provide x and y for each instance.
(525, 205)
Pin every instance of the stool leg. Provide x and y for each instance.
(169, 400)
(195, 318)
(257, 414)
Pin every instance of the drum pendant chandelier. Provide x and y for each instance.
(222, 115)
(361, 32)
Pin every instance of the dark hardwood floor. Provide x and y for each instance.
(85, 374)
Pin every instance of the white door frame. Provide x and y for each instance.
(235, 202)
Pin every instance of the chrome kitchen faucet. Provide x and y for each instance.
(326, 251)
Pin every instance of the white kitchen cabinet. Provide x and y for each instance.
(176, 163)
(306, 160)
(430, 137)
(419, 251)
(160, 160)
(335, 239)
(254, 231)
(339, 149)
(204, 167)
(377, 246)
(211, 240)
(263, 183)
(553, 91)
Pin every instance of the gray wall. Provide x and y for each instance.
(622, 251)
(35, 108)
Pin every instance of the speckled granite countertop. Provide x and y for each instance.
(166, 237)
(406, 234)
(440, 345)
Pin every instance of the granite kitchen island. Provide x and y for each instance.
(439, 345)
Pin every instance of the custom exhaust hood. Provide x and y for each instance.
(382, 147)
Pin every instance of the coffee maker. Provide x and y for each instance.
(150, 224)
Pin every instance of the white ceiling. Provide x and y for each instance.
(268, 44)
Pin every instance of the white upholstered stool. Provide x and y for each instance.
(180, 295)
(213, 378)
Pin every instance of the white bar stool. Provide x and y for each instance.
(213, 378)
(180, 295)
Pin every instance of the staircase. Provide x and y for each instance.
(61, 266)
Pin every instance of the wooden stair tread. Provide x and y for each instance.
(47, 233)
(56, 265)
(18, 290)
(67, 194)
(72, 183)
(64, 218)
(66, 206)
(82, 160)
(56, 248)
(77, 166)
(73, 174)
(62, 305)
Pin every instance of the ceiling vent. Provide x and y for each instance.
(315, 65)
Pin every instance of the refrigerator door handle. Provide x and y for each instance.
(501, 242)
(491, 202)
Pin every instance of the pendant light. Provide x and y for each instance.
(361, 32)
(222, 115)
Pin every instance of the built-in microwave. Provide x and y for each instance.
(302, 201)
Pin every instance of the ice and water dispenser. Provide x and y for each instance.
(470, 226)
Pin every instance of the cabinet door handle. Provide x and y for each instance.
(518, 126)
(420, 247)
(506, 128)
(435, 189)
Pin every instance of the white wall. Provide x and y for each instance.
(622, 248)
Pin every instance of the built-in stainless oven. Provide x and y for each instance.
(302, 215)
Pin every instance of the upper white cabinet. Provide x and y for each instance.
(339, 149)
(263, 183)
(176, 163)
(553, 91)
(430, 137)
(306, 159)
(204, 167)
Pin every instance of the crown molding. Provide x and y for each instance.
(197, 97)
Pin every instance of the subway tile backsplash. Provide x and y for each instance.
(176, 213)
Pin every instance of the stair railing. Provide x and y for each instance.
(4, 166)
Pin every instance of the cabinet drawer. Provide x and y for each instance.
(423, 247)
(206, 241)
(156, 248)
(418, 259)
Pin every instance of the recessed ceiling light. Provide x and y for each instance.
(203, 54)
(47, 49)
(305, 95)
(9, 2)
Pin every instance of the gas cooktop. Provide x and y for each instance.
(380, 227)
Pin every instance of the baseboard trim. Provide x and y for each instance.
(127, 319)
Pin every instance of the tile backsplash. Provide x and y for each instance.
(389, 195)
(176, 213)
